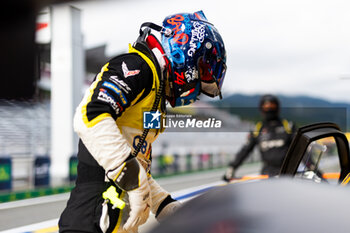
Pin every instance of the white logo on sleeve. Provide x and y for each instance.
(128, 72)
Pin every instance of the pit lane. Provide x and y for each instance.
(41, 214)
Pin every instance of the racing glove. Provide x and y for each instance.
(162, 203)
(169, 208)
(229, 174)
(131, 177)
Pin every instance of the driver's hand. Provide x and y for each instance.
(131, 177)
(140, 203)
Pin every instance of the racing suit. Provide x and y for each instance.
(109, 122)
(273, 138)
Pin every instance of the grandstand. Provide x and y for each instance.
(25, 134)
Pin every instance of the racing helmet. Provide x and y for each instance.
(269, 105)
(197, 57)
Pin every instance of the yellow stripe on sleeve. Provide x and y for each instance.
(100, 117)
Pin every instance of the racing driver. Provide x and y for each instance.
(115, 144)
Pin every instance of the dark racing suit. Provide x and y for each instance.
(273, 138)
(109, 122)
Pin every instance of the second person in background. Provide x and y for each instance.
(272, 136)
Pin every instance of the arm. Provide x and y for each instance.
(115, 89)
(107, 98)
(240, 157)
(244, 152)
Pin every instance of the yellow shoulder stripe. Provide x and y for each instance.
(257, 128)
(133, 50)
(286, 126)
(100, 117)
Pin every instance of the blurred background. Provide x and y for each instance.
(51, 50)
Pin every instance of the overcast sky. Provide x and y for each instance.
(290, 47)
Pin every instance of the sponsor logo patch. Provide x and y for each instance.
(104, 96)
(120, 83)
(116, 90)
(127, 72)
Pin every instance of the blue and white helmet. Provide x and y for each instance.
(197, 56)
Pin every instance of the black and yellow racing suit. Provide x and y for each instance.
(109, 122)
(273, 138)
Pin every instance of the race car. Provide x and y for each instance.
(300, 199)
(314, 155)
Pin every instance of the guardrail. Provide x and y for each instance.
(33, 180)
(28, 177)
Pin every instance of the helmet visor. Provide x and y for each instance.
(212, 73)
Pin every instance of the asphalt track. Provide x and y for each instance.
(41, 214)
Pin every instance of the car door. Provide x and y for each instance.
(318, 152)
